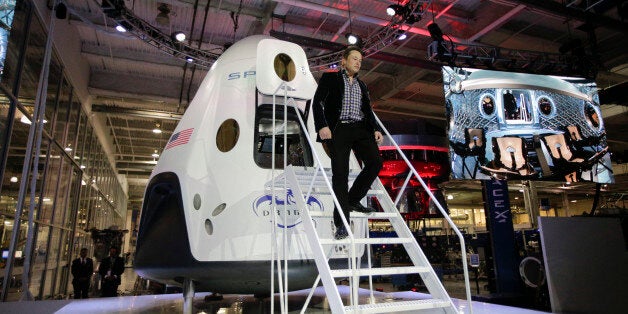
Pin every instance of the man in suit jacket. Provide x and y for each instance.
(110, 270)
(82, 270)
(345, 121)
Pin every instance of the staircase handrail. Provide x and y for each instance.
(438, 205)
(289, 102)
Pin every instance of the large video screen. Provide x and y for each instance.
(524, 126)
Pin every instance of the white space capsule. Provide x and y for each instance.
(206, 214)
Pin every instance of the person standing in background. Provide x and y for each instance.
(82, 270)
(110, 270)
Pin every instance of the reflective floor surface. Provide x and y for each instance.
(173, 303)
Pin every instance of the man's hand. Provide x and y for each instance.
(378, 137)
(325, 133)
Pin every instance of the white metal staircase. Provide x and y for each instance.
(301, 180)
(307, 181)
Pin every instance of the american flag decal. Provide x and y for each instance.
(180, 138)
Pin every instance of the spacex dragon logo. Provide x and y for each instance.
(262, 206)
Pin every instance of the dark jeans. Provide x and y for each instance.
(81, 289)
(109, 288)
(359, 137)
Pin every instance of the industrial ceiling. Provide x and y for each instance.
(137, 87)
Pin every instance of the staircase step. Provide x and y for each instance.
(323, 190)
(394, 240)
(389, 307)
(379, 271)
(374, 215)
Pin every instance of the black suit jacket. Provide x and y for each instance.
(82, 272)
(117, 267)
(327, 102)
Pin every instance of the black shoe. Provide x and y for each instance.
(359, 208)
(341, 233)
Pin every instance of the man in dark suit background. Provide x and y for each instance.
(345, 121)
(82, 270)
(110, 270)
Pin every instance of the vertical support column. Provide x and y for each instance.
(531, 202)
(500, 226)
(566, 204)
(188, 295)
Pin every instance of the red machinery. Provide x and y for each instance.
(431, 162)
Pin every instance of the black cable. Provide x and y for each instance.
(185, 65)
(596, 198)
(200, 41)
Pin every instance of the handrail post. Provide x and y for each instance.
(463, 250)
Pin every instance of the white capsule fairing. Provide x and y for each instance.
(206, 214)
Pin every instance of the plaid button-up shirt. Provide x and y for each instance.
(352, 100)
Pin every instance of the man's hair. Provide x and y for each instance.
(348, 50)
(83, 249)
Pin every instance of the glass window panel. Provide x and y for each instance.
(4, 119)
(63, 109)
(38, 259)
(52, 264)
(13, 38)
(50, 186)
(63, 270)
(73, 123)
(54, 80)
(15, 285)
(63, 181)
(46, 199)
(14, 165)
(32, 63)
(82, 216)
(68, 220)
(80, 137)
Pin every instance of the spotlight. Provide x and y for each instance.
(401, 35)
(61, 11)
(121, 29)
(157, 129)
(352, 39)
(189, 60)
(179, 36)
(435, 32)
(412, 18)
(13, 179)
(394, 9)
(155, 154)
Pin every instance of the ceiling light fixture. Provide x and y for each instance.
(352, 39)
(26, 120)
(401, 35)
(394, 9)
(157, 129)
(121, 29)
(13, 179)
(155, 155)
(179, 36)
